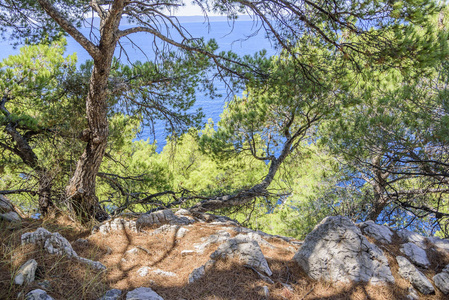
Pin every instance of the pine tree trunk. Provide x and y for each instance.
(81, 189)
(45, 184)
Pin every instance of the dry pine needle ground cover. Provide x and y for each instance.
(229, 279)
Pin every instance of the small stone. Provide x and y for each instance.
(187, 252)
(132, 251)
(26, 272)
(266, 291)
(181, 232)
(143, 271)
(45, 284)
(163, 273)
(143, 293)
(82, 242)
(412, 294)
(113, 294)
(197, 274)
(38, 294)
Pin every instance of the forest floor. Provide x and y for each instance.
(64, 278)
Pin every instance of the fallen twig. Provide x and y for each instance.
(263, 277)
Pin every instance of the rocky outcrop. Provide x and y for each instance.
(337, 251)
(416, 254)
(412, 237)
(441, 280)
(219, 237)
(26, 272)
(380, 233)
(162, 217)
(246, 250)
(408, 271)
(55, 243)
(7, 210)
(115, 224)
(143, 293)
(243, 247)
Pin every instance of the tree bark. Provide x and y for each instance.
(380, 200)
(81, 189)
(22, 149)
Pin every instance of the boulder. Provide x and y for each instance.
(380, 233)
(143, 293)
(408, 236)
(26, 272)
(7, 211)
(162, 217)
(115, 224)
(37, 294)
(416, 254)
(113, 294)
(441, 281)
(408, 271)
(337, 251)
(247, 251)
(55, 243)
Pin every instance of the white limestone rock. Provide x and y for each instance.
(380, 233)
(7, 211)
(253, 236)
(115, 224)
(181, 232)
(441, 281)
(266, 292)
(26, 272)
(164, 273)
(219, 237)
(55, 243)
(412, 294)
(439, 243)
(160, 218)
(201, 271)
(247, 251)
(419, 281)
(264, 234)
(416, 254)
(197, 274)
(337, 251)
(412, 237)
(143, 271)
(38, 294)
(187, 252)
(143, 293)
(113, 294)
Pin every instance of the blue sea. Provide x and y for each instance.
(243, 37)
